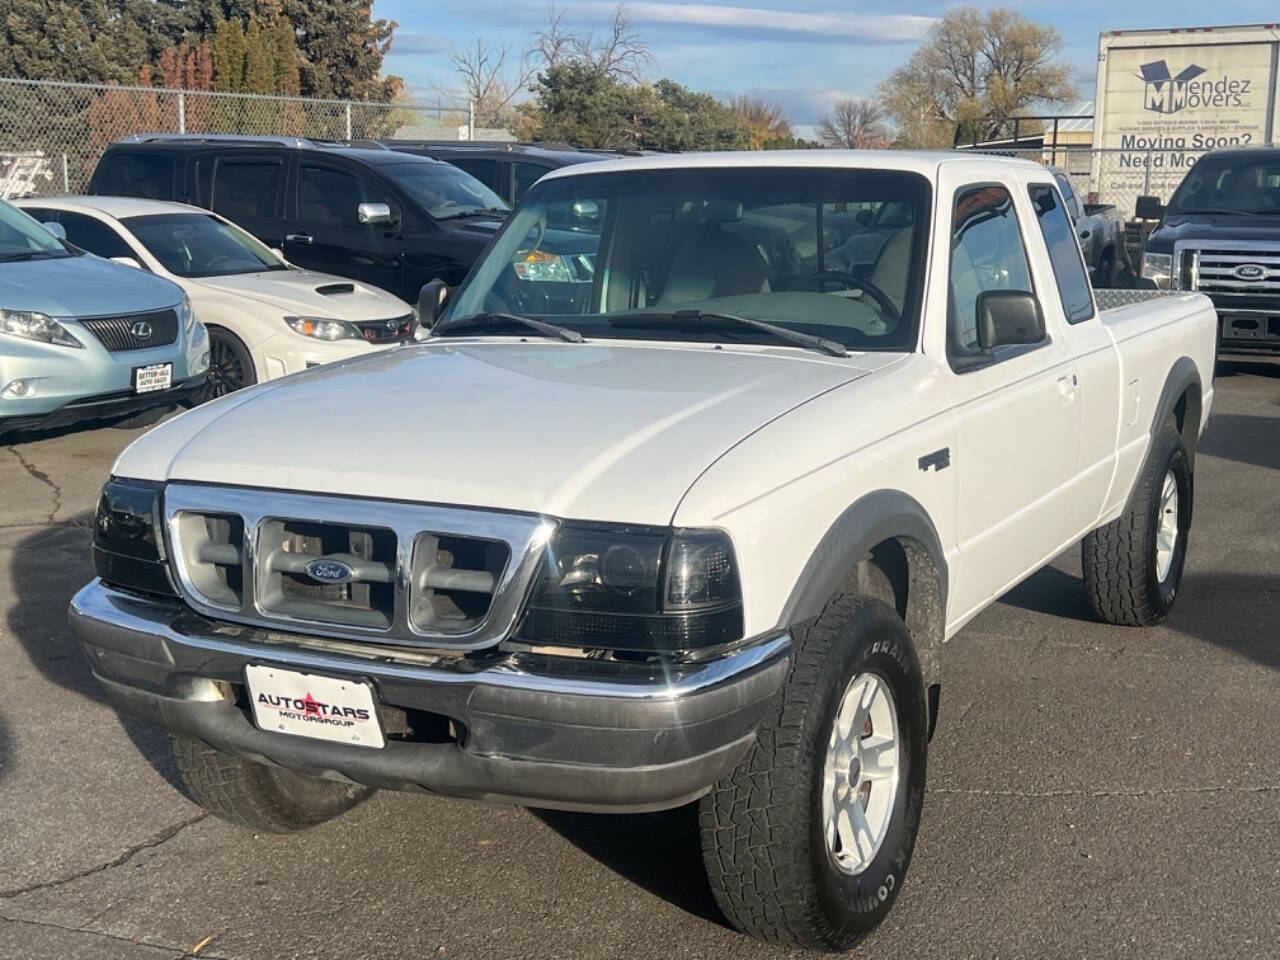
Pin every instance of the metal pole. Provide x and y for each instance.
(182, 111)
(1146, 176)
(66, 176)
(1054, 161)
(348, 121)
(471, 119)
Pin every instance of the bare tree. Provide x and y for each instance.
(489, 80)
(854, 123)
(621, 53)
(763, 119)
(975, 70)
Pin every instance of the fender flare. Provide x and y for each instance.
(1182, 375)
(871, 519)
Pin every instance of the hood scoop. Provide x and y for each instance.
(331, 289)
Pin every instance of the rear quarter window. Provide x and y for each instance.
(128, 174)
(1064, 253)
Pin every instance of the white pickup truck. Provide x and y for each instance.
(684, 514)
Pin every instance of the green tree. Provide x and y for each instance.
(228, 57)
(93, 41)
(341, 48)
(259, 61)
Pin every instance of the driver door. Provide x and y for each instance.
(324, 232)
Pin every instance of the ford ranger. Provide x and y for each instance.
(690, 525)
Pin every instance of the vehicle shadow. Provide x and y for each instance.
(1244, 439)
(46, 570)
(656, 851)
(6, 749)
(1236, 612)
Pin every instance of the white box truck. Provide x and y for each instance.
(1164, 97)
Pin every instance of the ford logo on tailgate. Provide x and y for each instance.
(329, 571)
(1250, 271)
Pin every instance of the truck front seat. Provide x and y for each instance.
(713, 263)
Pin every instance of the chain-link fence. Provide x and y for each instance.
(51, 134)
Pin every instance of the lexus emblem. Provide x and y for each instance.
(1250, 271)
(141, 329)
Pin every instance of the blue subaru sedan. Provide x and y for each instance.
(82, 338)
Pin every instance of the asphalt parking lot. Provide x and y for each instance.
(1094, 791)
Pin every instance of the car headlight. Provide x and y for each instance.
(186, 315)
(1158, 267)
(128, 546)
(543, 267)
(36, 326)
(645, 589)
(324, 328)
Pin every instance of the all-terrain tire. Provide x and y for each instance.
(762, 827)
(1119, 561)
(261, 798)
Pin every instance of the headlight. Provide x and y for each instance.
(36, 326)
(1158, 267)
(635, 588)
(186, 315)
(128, 547)
(540, 266)
(324, 328)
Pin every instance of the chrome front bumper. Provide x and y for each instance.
(539, 731)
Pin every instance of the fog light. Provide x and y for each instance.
(18, 388)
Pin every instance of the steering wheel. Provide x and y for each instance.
(887, 306)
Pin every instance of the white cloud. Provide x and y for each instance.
(838, 26)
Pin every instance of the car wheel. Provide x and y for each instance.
(808, 841)
(1133, 566)
(230, 365)
(253, 795)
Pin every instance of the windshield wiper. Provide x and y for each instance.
(475, 212)
(538, 326)
(33, 255)
(807, 340)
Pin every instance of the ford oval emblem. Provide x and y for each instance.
(1250, 271)
(329, 571)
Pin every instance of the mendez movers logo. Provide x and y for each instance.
(1162, 92)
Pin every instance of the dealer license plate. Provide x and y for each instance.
(158, 376)
(305, 705)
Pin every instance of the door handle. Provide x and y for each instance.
(299, 238)
(1067, 388)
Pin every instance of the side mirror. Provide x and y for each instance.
(1008, 318)
(432, 299)
(586, 210)
(127, 262)
(1148, 208)
(57, 229)
(374, 214)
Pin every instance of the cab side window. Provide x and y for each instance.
(987, 253)
(1069, 195)
(1064, 253)
(247, 189)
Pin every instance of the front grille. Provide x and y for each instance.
(352, 568)
(136, 331)
(387, 331)
(1233, 271)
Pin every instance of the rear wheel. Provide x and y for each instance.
(809, 839)
(1133, 565)
(261, 798)
(230, 365)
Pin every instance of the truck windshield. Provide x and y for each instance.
(443, 190)
(21, 238)
(1227, 184)
(199, 245)
(665, 253)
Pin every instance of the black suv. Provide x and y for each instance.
(385, 218)
(508, 169)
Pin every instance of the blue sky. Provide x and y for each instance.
(802, 53)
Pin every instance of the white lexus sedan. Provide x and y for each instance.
(265, 317)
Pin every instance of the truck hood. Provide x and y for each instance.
(83, 286)
(597, 431)
(1217, 228)
(304, 293)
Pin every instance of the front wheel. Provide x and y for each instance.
(808, 841)
(230, 365)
